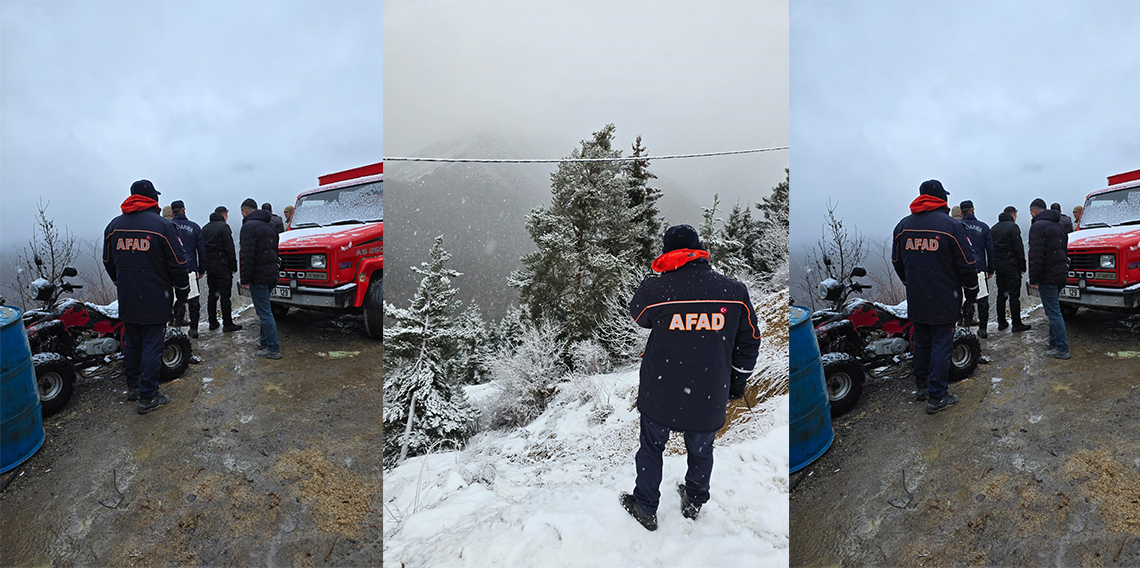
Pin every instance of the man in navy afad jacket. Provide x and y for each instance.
(983, 245)
(933, 257)
(191, 235)
(700, 353)
(146, 261)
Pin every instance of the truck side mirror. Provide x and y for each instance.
(70, 271)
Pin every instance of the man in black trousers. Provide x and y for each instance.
(933, 257)
(1009, 265)
(700, 354)
(221, 265)
(145, 259)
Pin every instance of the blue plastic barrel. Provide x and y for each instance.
(811, 410)
(21, 424)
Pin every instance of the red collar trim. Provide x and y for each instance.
(924, 203)
(675, 259)
(136, 203)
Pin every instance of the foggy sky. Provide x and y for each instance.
(213, 102)
(688, 76)
(1002, 102)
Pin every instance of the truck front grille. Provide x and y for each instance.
(295, 261)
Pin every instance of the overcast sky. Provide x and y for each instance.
(213, 102)
(1002, 102)
(688, 76)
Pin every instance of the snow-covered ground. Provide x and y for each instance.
(547, 494)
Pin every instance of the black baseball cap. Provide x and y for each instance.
(144, 188)
(933, 187)
(178, 205)
(967, 204)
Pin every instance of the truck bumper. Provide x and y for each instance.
(1101, 297)
(342, 296)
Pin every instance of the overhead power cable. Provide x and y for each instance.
(559, 160)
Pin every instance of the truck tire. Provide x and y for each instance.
(279, 311)
(374, 309)
(965, 355)
(1068, 310)
(55, 379)
(843, 375)
(176, 353)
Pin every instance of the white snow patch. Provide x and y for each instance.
(547, 494)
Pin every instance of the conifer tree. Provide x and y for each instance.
(645, 218)
(584, 242)
(424, 405)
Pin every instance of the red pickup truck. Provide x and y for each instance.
(332, 256)
(1104, 251)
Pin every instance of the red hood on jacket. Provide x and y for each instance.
(675, 259)
(136, 203)
(925, 203)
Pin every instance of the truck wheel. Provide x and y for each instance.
(964, 355)
(374, 309)
(843, 375)
(176, 354)
(55, 378)
(1068, 310)
(279, 311)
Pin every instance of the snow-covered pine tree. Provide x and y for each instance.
(471, 362)
(741, 235)
(772, 255)
(584, 239)
(424, 405)
(645, 218)
(724, 254)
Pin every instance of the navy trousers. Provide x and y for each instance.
(698, 447)
(933, 344)
(142, 356)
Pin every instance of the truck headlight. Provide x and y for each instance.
(317, 261)
(1108, 261)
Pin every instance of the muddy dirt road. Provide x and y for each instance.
(1037, 465)
(253, 462)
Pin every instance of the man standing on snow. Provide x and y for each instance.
(933, 257)
(191, 235)
(259, 271)
(983, 244)
(701, 351)
(1049, 271)
(145, 260)
(1009, 265)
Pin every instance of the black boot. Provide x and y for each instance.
(647, 520)
(231, 327)
(148, 404)
(1019, 327)
(214, 324)
(689, 509)
(946, 401)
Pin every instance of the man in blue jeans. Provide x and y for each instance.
(259, 271)
(1049, 271)
(700, 354)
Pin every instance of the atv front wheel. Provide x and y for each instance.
(844, 377)
(964, 355)
(176, 353)
(55, 379)
(374, 309)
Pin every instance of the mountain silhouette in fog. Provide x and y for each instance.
(480, 209)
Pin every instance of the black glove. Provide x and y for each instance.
(180, 294)
(736, 391)
(971, 295)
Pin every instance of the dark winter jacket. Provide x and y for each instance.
(981, 241)
(191, 235)
(219, 239)
(704, 342)
(1048, 254)
(1009, 250)
(258, 249)
(1066, 223)
(933, 257)
(277, 222)
(147, 262)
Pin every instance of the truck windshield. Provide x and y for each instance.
(1112, 208)
(347, 205)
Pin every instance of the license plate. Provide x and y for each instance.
(1071, 292)
(281, 292)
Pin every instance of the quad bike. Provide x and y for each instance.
(858, 336)
(68, 337)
